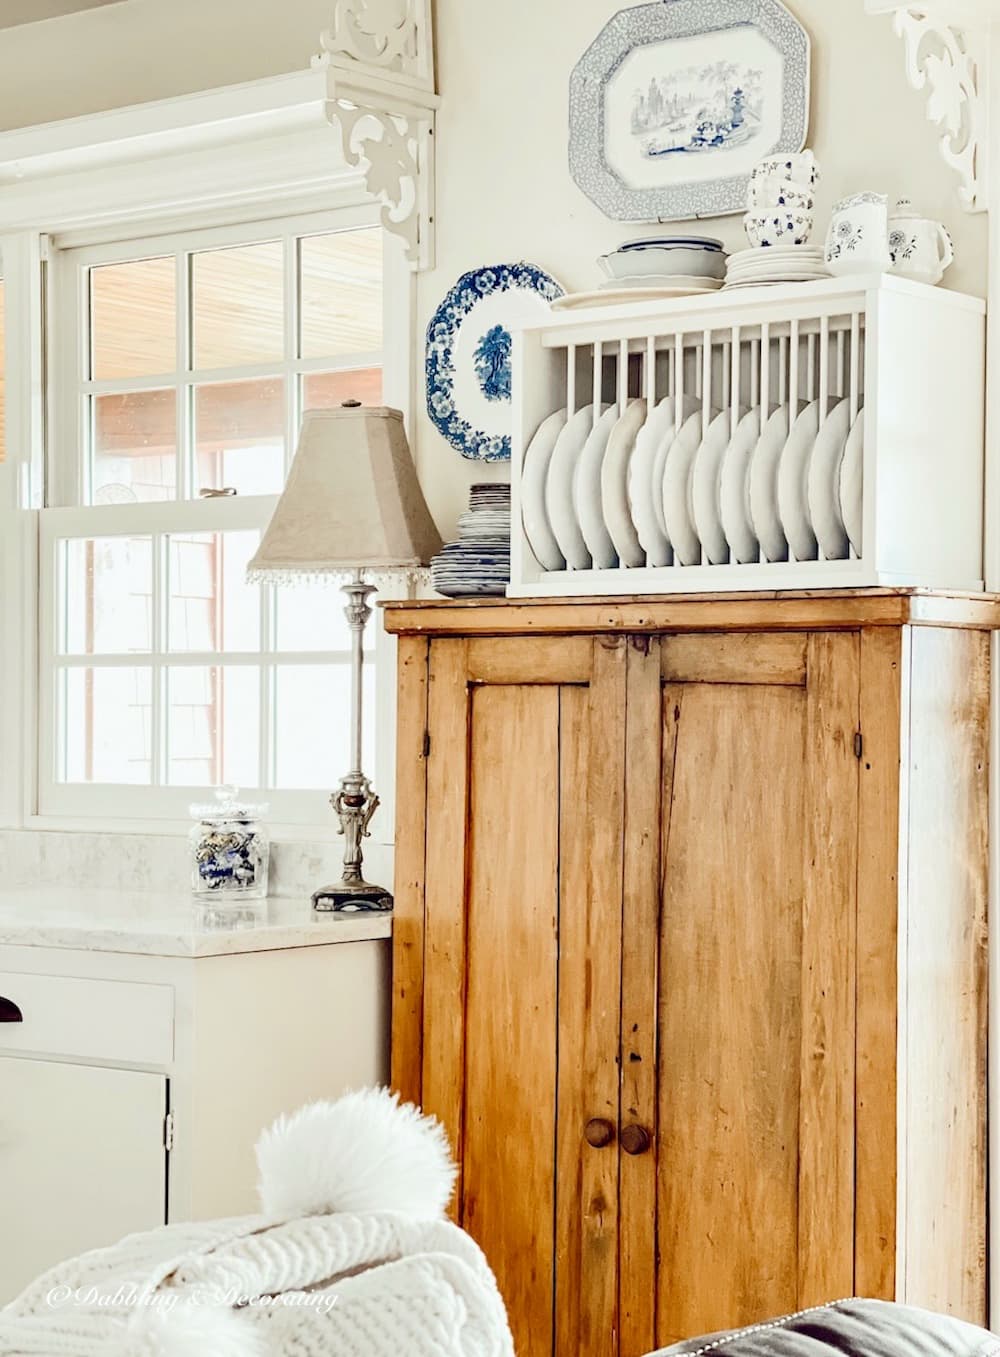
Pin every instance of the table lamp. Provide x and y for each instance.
(353, 511)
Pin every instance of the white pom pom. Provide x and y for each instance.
(186, 1328)
(365, 1152)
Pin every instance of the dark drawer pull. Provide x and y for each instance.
(9, 1011)
(636, 1140)
(598, 1133)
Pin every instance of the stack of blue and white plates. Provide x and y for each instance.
(478, 564)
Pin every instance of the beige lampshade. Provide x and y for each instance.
(352, 501)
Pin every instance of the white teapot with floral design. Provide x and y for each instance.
(919, 248)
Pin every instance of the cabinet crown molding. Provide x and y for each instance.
(378, 56)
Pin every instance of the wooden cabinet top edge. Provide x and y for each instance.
(805, 611)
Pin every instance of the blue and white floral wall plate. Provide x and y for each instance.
(674, 103)
(469, 355)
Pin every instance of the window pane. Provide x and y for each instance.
(106, 725)
(321, 390)
(211, 607)
(312, 724)
(106, 596)
(341, 293)
(240, 436)
(311, 617)
(133, 318)
(135, 447)
(213, 726)
(239, 300)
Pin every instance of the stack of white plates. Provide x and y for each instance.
(776, 264)
(478, 564)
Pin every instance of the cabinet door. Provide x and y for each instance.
(520, 1036)
(82, 1162)
(737, 1171)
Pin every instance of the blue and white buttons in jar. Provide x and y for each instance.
(230, 849)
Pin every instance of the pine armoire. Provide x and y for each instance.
(690, 950)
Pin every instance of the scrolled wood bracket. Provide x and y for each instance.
(947, 45)
(379, 61)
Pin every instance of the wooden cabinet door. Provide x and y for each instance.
(82, 1162)
(738, 1004)
(521, 966)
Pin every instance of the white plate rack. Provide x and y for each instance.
(755, 401)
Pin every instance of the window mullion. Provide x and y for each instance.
(159, 716)
(268, 643)
(292, 394)
(185, 460)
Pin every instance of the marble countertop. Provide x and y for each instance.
(171, 925)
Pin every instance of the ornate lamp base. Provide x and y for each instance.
(352, 897)
(355, 804)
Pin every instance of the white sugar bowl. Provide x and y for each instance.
(919, 248)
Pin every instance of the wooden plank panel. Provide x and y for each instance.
(822, 610)
(444, 891)
(649, 766)
(826, 1115)
(408, 911)
(729, 1007)
(590, 903)
(875, 1195)
(531, 659)
(510, 1069)
(945, 959)
(736, 657)
(574, 1239)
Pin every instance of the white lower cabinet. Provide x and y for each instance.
(82, 1162)
(133, 1088)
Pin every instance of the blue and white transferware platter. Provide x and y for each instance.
(674, 103)
(469, 355)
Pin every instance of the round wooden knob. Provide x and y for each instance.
(636, 1140)
(598, 1133)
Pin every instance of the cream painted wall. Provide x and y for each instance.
(504, 190)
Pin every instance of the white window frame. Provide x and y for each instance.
(67, 514)
(184, 165)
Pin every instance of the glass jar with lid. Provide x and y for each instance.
(230, 849)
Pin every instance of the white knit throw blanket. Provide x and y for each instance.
(339, 1285)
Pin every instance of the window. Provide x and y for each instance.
(179, 371)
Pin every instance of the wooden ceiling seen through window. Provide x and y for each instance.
(237, 306)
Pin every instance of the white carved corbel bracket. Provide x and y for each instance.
(947, 46)
(379, 62)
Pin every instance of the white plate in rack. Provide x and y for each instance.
(559, 487)
(734, 490)
(614, 486)
(676, 489)
(763, 483)
(645, 488)
(706, 487)
(823, 488)
(587, 492)
(534, 474)
(852, 482)
(793, 484)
